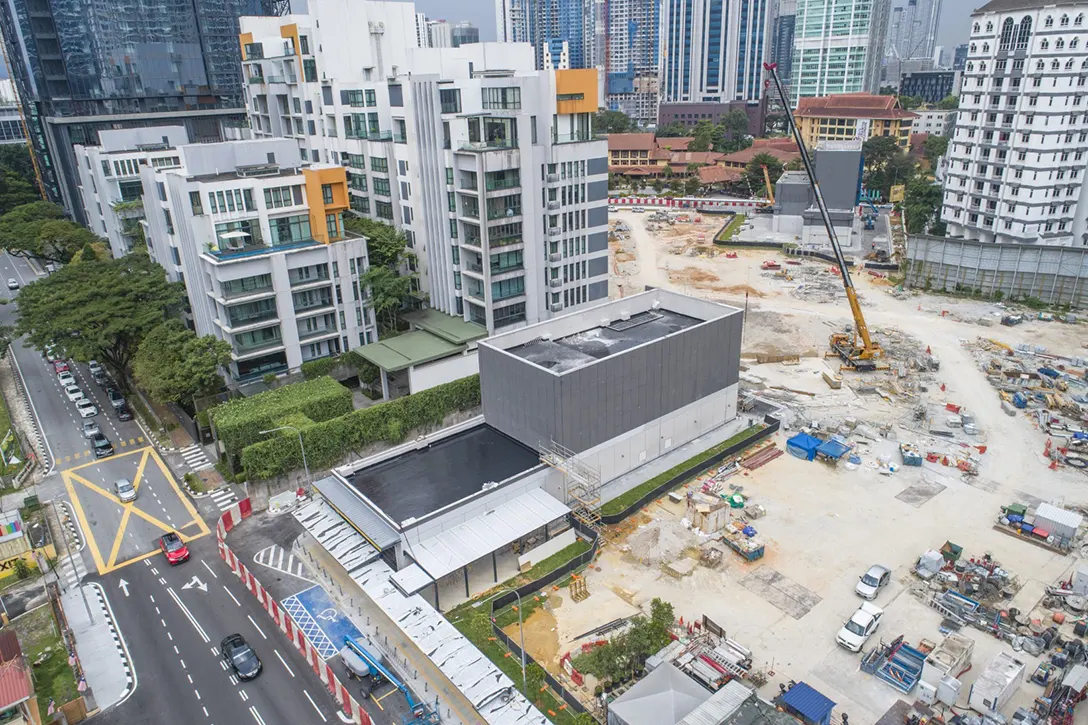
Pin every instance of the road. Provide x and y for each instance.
(171, 622)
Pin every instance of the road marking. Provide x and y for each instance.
(320, 714)
(162, 581)
(175, 647)
(231, 595)
(182, 664)
(157, 611)
(223, 665)
(206, 563)
(185, 610)
(243, 695)
(171, 639)
(256, 715)
(190, 679)
(163, 622)
(250, 618)
(119, 538)
(123, 585)
(205, 711)
(154, 571)
(284, 662)
(233, 680)
(197, 694)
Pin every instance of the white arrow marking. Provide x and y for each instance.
(195, 583)
(123, 586)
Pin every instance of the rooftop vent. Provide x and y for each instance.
(259, 170)
(640, 319)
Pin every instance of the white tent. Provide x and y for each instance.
(664, 697)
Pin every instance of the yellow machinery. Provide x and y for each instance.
(856, 349)
(767, 179)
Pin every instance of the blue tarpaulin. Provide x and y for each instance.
(808, 704)
(833, 449)
(803, 446)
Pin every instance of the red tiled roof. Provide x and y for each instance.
(744, 156)
(634, 170)
(694, 157)
(852, 105)
(630, 141)
(675, 143)
(15, 684)
(718, 174)
(783, 143)
(9, 645)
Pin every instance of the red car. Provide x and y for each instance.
(174, 548)
(60, 366)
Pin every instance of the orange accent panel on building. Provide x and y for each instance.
(243, 40)
(337, 178)
(291, 31)
(573, 83)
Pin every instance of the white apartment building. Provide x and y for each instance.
(439, 34)
(109, 179)
(258, 239)
(1017, 158)
(487, 165)
(838, 47)
(934, 122)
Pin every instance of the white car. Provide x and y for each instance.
(13, 284)
(613, 208)
(66, 378)
(856, 630)
(86, 408)
(638, 209)
(94, 366)
(74, 393)
(871, 582)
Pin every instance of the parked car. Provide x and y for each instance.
(124, 489)
(638, 209)
(856, 630)
(101, 379)
(74, 392)
(66, 378)
(86, 408)
(51, 354)
(116, 399)
(60, 366)
(123, 413)
(240, 657)
(13, 284)
(173, 548)
(871, 582)
(90, 429)
(613, 208)
(102, 446)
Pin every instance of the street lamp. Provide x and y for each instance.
(521, 630)
(301, 447)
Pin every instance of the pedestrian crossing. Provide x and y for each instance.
(71, 570)
(224, 498)
(195, 458)
(276, 557)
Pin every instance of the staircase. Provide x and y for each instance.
(583, 483)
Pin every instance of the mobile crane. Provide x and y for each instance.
(420, 714)
(768, 207)
(857, 349)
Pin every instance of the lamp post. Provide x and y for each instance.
(521, 630)
(300, 445)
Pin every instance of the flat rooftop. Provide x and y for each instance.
(581, 348)
(416, 483)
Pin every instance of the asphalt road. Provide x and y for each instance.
(171, 623)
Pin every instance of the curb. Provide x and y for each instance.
(72, 524)
(118, 641)
(44, 456)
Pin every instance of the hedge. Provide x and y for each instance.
(367, 371)
(328, 440)
(239, 422)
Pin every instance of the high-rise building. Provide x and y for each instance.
(547, 23)
(1017, 157)
(959, 58)
(422, 41)
(782, 29)
(82, 67)
(931, 86)
(512, 21)
(486, 164)
(714, 50)
(464, 33)
(838, 47)
(439, 34)
(912, 30)
(632, 59)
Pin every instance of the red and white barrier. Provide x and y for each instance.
(698, 203)
(231, 518)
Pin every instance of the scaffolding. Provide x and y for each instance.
(583, 483)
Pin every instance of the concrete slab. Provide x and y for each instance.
(779, 590)
(916, 495)
(99, 644)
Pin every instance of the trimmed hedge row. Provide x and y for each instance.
(238, 423)
(328, 440)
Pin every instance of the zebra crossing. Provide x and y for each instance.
(277, 558)
(224, 497)
(71, 570)
(195, 458)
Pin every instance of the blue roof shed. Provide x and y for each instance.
(807, 704)
(832, 448)
(803, 446)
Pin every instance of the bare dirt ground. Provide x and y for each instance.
(826, 524)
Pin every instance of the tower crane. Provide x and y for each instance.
(857, 349)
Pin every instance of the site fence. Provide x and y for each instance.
(772, 426)
(1054, 275)
(501, 602)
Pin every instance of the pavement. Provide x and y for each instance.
(101, 648)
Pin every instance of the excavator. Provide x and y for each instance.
(857, 350)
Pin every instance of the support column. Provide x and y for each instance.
(465, 569)
(385, 385)
(437, 604)
(494, 567)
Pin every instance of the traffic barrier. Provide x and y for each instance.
(231, 518)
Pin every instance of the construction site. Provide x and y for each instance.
(934, 439)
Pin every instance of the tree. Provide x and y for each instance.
(878, 150)
(949, 103)
(534, 682)
(888, 91)
(16, 159)
(174, 365)
(40, 230)
(934, 148)
(97, 310)
(921, 207)
(613, 122)
(672, 130)
(735, 124)
(702, 137)
(15, 190)
(909, 102)
(385, 246)
(389, 291)
(753, 172)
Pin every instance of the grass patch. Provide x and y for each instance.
(731, 229)
(553, 562)
(621, 502)
(38, 632)
(195, 482)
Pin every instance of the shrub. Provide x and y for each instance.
(22, 569)
(329, 439)
(238, 423)
(367, 371)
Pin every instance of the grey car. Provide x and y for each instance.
(871, 582)
(90, 429)
(124, 490)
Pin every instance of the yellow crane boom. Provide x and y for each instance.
(767, 180)
(857, 350)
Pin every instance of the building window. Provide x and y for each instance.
(371, 98)
(383, 209)
(194, 202)
(380, 164)
(169, 220)
(106, 168)
(309, 70)
(304, 45)
(331, 227)
(381, 186)
(326, 193)
(289, 230)
(450, 99)
(279, 197)
(507, 99)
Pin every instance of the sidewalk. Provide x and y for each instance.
(99, 645)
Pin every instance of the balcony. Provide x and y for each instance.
(555, 257)
(476, 293)
(469, 211)
(551, 178)
(357, 134)
(132, 209)
(555, 283)
(238, 294)
(283, 79)
(328, 331)
(553, 205)
(299, 281)
(473, 242)
(380, 136)
(253, 249)
(493, 145)
(400, 138)
(505, 241)
(255, 80)
(236, 322)
(256, 345)
(503, 212)
(309, 304)
(497, 269)
(553, 231)
(513, 182)
(558, 138)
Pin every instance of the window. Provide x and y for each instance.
(453, 229)
(383, 209)
(450, 98)
(282, 196)
(291, 229)
(1064, 21)
(1045, 45)
(326, 193)
(1059, 44)
(304, 45)
(1069, 64)
(1049, 23)
(371, 97)
(1073, 43)
(332, 226)
(169, 220)
(194, 202)
(1024, 34)
(309, 70)
(1007, 33)
(106, 168)
(381, 187)
(508, 99)
(378, 163)
(449, 176)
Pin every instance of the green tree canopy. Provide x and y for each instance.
(16, 159)
(97, 310)
(389, 292)
(753, 172)
(702, 136)
(878, 150)
(949, 103)
(934, 148)
(174, 365)
(40, 230)
(673, 130)
(910, 102)
(921, 207)
(613, 122)
(385, 246)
